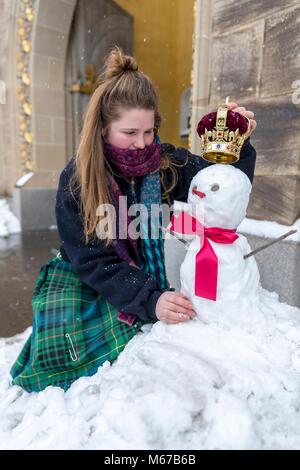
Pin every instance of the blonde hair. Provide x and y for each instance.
(120, 85)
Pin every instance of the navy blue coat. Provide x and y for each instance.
(126, 287)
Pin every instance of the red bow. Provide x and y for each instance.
(206, 277)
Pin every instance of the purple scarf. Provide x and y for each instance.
(136, 162)
(128, 162)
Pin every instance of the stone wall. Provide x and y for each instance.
(278, 266)
(254, 56)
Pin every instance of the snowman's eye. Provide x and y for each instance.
(215, 187)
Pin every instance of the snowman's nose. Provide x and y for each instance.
(198, 193)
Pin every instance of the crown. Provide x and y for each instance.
(223, 134)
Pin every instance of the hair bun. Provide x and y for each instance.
(116, 63)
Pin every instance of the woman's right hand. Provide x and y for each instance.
(174, 307)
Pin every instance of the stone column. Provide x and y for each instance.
(8, 129)
(41, 147)
(202, 43)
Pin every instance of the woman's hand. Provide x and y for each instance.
(249, 114)
(174, 307)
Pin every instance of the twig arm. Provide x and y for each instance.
(291, 232)
(165, 230)
(252, 253)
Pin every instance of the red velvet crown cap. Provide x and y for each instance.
(234, 121)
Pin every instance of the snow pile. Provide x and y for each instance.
(229, 379)
(8, 222)
(185, 386)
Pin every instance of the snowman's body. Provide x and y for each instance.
(238, 278)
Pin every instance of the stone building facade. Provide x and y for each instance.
(41, 58)
(249, 50)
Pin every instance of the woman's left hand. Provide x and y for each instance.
(245, 112)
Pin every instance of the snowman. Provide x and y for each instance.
(222, 284)
(222, 192)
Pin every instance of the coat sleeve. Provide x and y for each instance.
(126, 287)
(196, 163)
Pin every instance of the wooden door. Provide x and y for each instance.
(97, 26)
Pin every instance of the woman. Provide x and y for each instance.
(92, 298)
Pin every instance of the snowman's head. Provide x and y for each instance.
(223, 191)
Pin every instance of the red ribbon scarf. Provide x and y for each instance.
(206, 277)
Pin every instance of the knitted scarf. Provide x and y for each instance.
(144, 163)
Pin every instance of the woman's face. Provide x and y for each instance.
(133, 130)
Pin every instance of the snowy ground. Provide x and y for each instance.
(8, 222)
(185, 386)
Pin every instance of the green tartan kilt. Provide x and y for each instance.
(75, 330)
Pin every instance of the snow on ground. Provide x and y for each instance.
(269, 229)
(8, 222)
(185, 386)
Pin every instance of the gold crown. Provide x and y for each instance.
(222, 144)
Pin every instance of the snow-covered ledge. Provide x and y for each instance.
(269, 229)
